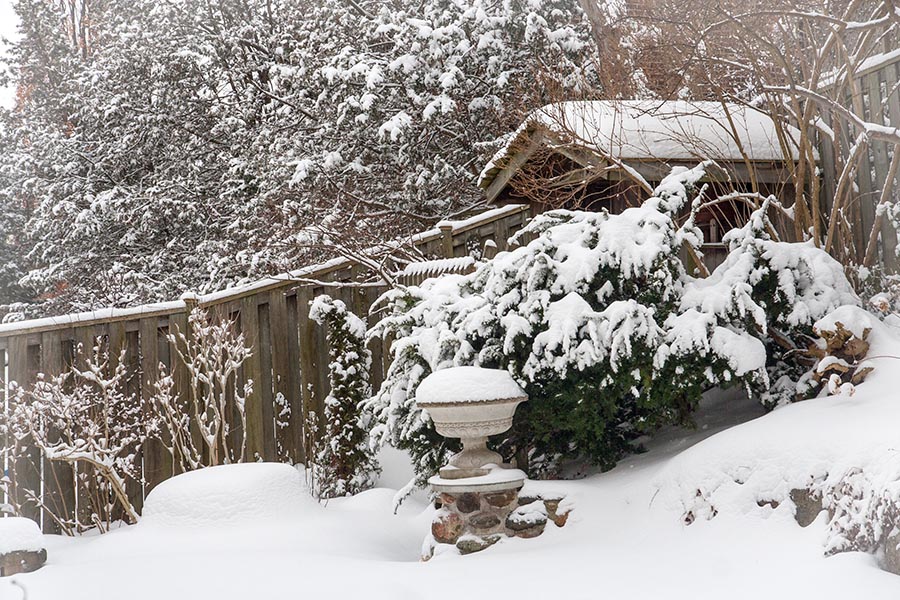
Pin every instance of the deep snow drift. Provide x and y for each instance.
(627, 536)
(231, 494)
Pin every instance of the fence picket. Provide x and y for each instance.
(156, 459)
(25, 471)
(181, 377)
(253, 373)
(888, 233)
(307, 357)
(134, 488)
(4, 438)
(284, 342)
(297, 422)
(59, 478)
(266, 385)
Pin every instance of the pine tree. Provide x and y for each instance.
(192, 146)
(344, 464)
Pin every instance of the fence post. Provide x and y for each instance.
(446, 240)
(253, 372)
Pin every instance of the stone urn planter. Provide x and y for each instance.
(470, 403)
(476, 493)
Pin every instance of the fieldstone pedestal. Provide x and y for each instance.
(474, 513)
(478, 498)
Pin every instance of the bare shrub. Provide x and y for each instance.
(86, 421)
(204, 424)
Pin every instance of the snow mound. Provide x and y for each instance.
(812, 445)
(467, 384)
(20, 534)
(228, 494)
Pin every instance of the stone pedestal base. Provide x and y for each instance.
(475, 520)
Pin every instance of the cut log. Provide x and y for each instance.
(860, 375)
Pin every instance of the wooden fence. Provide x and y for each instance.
(289, 361)
(877, 100)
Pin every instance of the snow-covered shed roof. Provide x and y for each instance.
(648, 130)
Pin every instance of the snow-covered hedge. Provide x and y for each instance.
(228, 496)
(598, 320)
(776, 291)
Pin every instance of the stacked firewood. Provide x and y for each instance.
(839, 366)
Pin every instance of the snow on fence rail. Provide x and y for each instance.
(878, 101)
(289, 351)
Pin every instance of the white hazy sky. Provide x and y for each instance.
(8, 23)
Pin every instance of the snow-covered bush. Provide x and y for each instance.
(90, 429)
(588, 317)
(228, 496)
(776, 291)
(879, 290)
(864, 508)
(344, 465)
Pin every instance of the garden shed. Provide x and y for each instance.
(610, 154)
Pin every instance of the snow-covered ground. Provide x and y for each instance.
(627, 536)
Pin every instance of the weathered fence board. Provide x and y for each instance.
(293, 430)
(26, 470)
(267, 396)
(307, 358)
(283, 384)
(4, 437)
(133, 488)
(157, 462)
(252, 374)
(59, 479)
(891, 76)
(875, 98)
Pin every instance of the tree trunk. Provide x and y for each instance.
(599, 25)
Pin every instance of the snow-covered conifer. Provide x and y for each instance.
(344, 464)
(774, 290)
(581, 317)
(175, 149)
